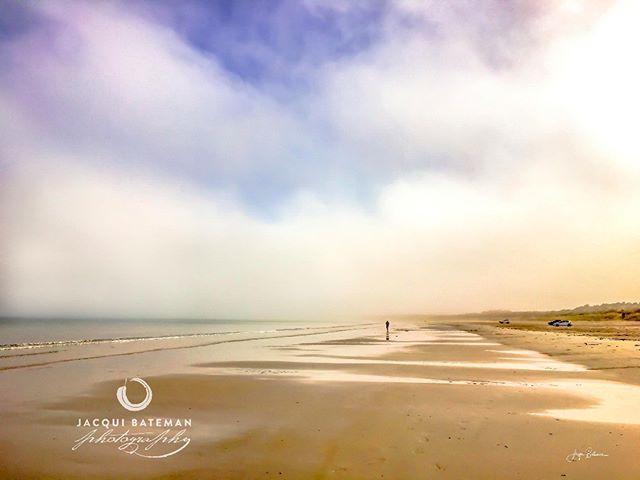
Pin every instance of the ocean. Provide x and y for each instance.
(26, 332)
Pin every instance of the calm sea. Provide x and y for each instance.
(25, 331)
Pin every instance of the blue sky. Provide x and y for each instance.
(266, 42)
(314, 158)
(280, 51)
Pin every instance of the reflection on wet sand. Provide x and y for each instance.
(610, 401)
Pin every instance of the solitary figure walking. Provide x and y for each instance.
(387, 325)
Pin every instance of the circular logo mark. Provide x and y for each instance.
(121, 395)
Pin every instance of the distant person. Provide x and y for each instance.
(387, 325)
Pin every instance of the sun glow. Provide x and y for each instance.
(600, 80)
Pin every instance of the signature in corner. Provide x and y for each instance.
(576, 456)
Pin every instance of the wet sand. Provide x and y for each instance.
(438, 400)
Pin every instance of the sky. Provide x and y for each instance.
(317, 159)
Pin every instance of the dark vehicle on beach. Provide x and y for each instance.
(506, 321)
(560, 323)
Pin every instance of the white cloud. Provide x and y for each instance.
(99, 242)
(488, 189)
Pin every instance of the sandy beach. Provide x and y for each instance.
(435, 401)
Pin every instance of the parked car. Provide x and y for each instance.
(506, 321)
(560, 323)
